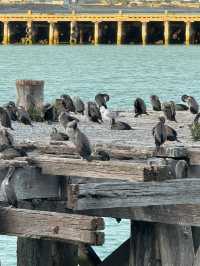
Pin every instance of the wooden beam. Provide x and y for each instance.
(120, 152)
(96, 169)
(194, 155)
(172, 214)
(115, 151)
(134, 194)
(51, 225)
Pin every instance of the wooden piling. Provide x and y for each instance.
(36, 252)
(30, 95)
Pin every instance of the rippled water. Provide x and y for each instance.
(124, 72)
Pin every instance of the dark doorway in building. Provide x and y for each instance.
(177, 32)
(155, 33)
(195, 33)
(132, 33)
(17, 32)
(63, 29)
(40, 32)
(108, 32)
(86, 32)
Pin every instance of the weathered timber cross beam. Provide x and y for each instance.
(95, 169)
(115, 151)
(51, 225)
(172, 214)
(134, 194)
(117, 170)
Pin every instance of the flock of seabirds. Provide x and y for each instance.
(96, 111)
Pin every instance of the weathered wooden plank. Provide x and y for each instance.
(51, 225)
(194, 155)
(29, 183)
(19, 162)
(119, 257)
(133, 194)
(66, 148)
(120, 152)
(95, 169)
(144, 250)
(176, 245)
(172, 214)
(39, 252)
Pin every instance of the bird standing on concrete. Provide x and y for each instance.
(119, 125)
(8, 189)
(155, 101)
(80, 140)
(79, 105)
(193, 105)
(48, 113)
(107, 115)
(12, 110)
(191, 102)
(160, 133)
(171, 134)
(5, 118)
(64, 118)
(6, 139)
(93, 112)
(23, 116)
(169, 110)
(140, 107)
(68, 103)
(101, 99)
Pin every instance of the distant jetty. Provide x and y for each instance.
(134, 23)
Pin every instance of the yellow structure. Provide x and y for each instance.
(172, 27)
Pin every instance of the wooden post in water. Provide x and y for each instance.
(30, 95)
(36, 252)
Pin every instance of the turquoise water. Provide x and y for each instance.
(124, 72)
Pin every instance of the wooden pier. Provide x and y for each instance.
(163, 209)
(52, 24)
(62, 199)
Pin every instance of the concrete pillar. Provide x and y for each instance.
(73, 32)
(96, 32)
(6, 33)
(144, 32)
(166, 32)
(119, 32)
(51, 33)
(187, 32)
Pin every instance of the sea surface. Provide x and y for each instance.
(124, 72)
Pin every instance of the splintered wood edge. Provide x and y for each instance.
(98, 224)
(72, 196)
